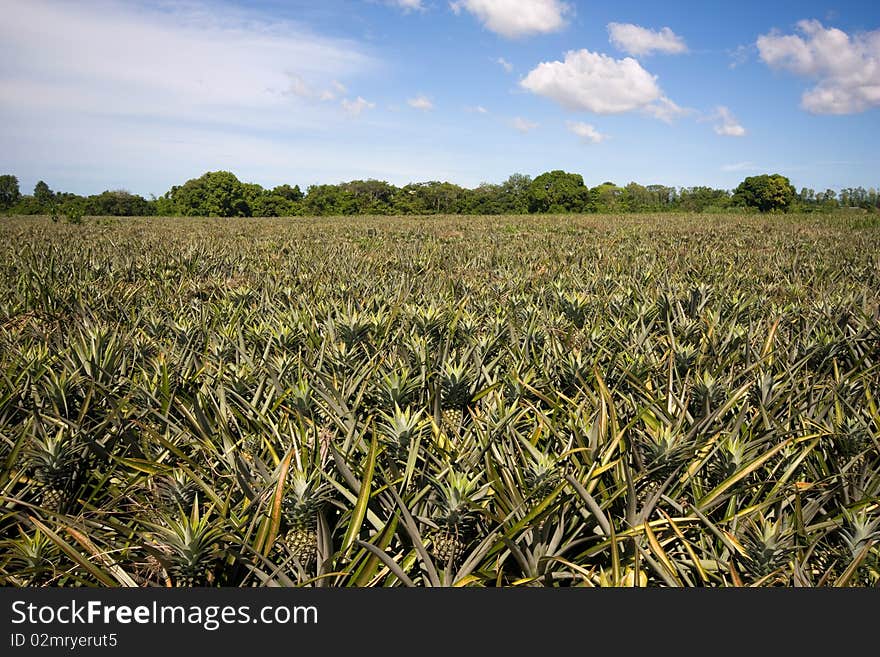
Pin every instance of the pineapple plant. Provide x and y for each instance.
(455, 394)
(353, 328)
(861, 538)
(762, 390)
(688, 331)
(853, 439)
(56, 462)
(400, 430)
(432, 322)
(685, 358)
(457, 512)
(303, 500)
(519, 384)
(301, 399)
(175, 492)
(657, 455)
(542, 475)
(727, 459)
(33, 557)
(399, 388)
(188, 546)
(572, 372)
(768, 545)
(466, 330)
(707, 394)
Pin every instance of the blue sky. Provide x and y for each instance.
(109, 94)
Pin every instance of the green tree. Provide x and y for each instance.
(664, 197)
(329, 200)
(637, 198)
(607, 197)
(9, 191)
(43, 195)
(290, 193)
(271, 204)
(371, 196)
(432, 197)
(162, 206)
(515, 194)
(27, 205)
(558, 191)
(252, 194)
(215, 194)
(118, 203)
(484, 199)
(700, 199)
(766, 193)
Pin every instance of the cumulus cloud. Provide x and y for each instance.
(523, 125)
(503, 63)
(355, 107)
(516, 18)
(421, 103)
(593, 82)
(727, 125)
(636, 40)
(846, 67)
(586, 132)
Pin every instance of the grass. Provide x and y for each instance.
(636, 400)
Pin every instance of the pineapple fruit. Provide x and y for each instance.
(455, 395)
(305, 496)
(457, 516)
(55, 463)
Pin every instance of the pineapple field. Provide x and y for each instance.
(634, 400)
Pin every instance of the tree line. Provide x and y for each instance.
(222, 194)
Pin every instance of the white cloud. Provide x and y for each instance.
(636, 40)
(586, 132)
(336, 89)
(299, 87)
(846, 67)
(739, 166)
(188, 62)
(421, 103)
(740, 55)
(356, 107)
(408, 5)
(593, 82)
(478, 109)
(523, 125)
(666, 110)
(506, 65)
(727, 125)
(517, 18)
